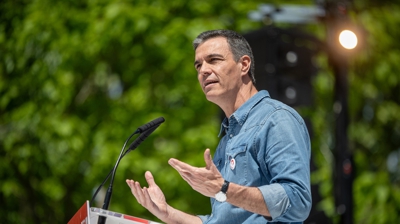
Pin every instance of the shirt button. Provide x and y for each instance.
(231, 135)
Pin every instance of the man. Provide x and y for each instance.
(260, 170)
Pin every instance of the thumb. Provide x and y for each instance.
(207, 159)
(150, 179)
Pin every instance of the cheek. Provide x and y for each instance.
(200, 79)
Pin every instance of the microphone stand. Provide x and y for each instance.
(102, 219)
(145, 131)
(132, 147)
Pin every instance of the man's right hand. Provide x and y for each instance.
(152, 198)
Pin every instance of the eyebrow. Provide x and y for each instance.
(209, 56)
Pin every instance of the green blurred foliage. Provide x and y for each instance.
(77, 77)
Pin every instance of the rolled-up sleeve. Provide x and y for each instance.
(276, 199)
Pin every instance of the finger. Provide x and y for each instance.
(136, 190)
(150, 179)
(177, 165)
(144, 196)
(181, 167)
(208, 159)
(147, 198)
(185, 174)
(128, 182)
(138, 193)
(131, 184)
(186, 178)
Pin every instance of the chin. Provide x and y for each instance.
(211, 97)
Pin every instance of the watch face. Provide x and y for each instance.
(220, 196)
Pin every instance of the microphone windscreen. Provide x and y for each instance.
(151, 124)
(141, 138)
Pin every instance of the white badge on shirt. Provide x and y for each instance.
(232, 163)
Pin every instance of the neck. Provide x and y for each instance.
(244, 94)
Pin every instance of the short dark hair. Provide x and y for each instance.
(237, 44)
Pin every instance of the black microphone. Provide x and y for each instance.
(145, 131)
(140, 139)
(156, 122)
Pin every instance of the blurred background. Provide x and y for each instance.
(78, 77)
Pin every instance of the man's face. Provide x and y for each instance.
(217, 71)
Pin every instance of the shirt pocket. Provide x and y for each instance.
(236, 168)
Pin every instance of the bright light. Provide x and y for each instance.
(348, 39)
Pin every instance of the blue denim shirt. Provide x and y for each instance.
(266, 145)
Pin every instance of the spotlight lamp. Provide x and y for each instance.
(348, 39)
(345, 38)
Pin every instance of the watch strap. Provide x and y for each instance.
(225, 186)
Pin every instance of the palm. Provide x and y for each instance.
(158, 203)
(152, 198)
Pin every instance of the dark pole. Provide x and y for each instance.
(343, 173)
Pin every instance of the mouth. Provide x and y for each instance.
(210, 82)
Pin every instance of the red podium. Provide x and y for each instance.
(87, 215)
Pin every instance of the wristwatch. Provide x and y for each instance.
(221, 195)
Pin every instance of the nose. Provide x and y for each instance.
(205, 69)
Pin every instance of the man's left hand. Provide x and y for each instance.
(205, 180)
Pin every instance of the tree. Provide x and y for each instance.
(77, 77)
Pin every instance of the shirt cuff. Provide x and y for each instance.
(276, 199)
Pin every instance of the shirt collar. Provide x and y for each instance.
(240, 115)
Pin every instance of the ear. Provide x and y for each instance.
(245, 61)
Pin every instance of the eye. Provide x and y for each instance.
(214, 60)
(197, 66)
